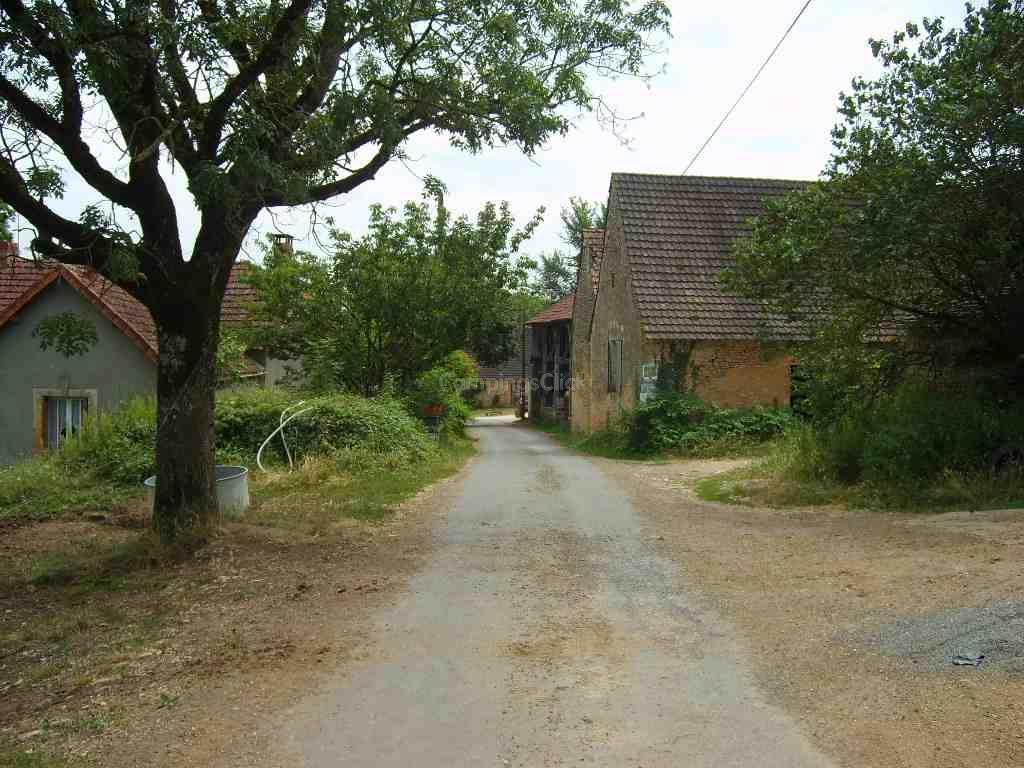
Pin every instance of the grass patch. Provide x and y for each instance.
(43, 488)
(781, 479)
(608, 444)
(93, 566)
(16, 758)
(327, 490)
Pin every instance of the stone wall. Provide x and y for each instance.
(503, 388)
(615, 317)
(582, 314)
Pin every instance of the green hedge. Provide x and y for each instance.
(684, 423)
(119, 446)
(339, 422)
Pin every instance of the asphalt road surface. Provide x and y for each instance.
(544, 631)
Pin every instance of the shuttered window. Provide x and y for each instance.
(614, 365)
(64, 417)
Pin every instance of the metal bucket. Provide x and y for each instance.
(232, 490)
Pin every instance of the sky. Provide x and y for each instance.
(780, 130)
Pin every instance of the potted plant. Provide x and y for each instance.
(434, 409)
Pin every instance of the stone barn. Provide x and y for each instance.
(649, 300)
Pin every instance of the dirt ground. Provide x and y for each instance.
(173, 667)
(183, 667)
(808, 589)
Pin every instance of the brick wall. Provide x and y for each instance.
(741, 374)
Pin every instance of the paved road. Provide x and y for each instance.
(544, 632)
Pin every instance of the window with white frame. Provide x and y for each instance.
(62, 418)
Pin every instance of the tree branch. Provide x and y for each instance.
(58, 57)
(76, 244)
(70, 143)
(272, 54)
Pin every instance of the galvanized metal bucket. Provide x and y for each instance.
(232, 490)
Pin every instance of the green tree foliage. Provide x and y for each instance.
(555, 277)
(394, 303)
(259, 104)
(915, 235)
(579, 215)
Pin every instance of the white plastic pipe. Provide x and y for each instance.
(270, 437)
(280, 421)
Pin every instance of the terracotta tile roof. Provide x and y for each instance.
(593, 239)
(21, 280)
(560, 310)
(679, 234)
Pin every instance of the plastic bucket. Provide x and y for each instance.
(232, 490)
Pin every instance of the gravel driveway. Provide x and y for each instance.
(544, 631)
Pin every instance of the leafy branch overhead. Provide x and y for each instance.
(272, 104)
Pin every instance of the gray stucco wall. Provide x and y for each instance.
(115, 367)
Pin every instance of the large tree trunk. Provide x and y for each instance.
(185, 507)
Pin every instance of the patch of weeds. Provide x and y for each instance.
(94, 724)
(355, 486)
(42, 672)
(607, 444)
(43, 488)
(18, 758)
(167, 701)
(717, 489)
(97, 566)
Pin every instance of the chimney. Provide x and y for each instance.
(283, 243)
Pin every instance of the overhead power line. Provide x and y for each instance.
(749, 85)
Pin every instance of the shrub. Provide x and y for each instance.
(915, 435)
(445, 385)
(325, 425)
(677, 422)
(119, 447)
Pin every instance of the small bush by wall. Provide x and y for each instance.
(118, 446)
(677, 422)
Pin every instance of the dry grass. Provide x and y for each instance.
(102, 634)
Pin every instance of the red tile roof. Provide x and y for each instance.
(560, 310)
(679, 233)
(21, 280)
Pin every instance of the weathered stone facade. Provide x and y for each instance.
(683, 237)
(614, 319)
(587, 277)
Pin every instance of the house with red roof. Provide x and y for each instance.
(44, 396)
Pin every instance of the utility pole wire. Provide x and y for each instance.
(749, 85)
